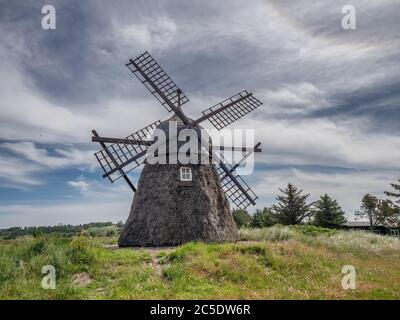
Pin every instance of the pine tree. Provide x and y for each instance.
(291, 207)
(395, 194)
(328, 213)
(387, 213)
(262, 218)
(394, 220)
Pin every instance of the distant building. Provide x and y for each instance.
(379, 229)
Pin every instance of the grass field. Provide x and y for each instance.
(271, 263)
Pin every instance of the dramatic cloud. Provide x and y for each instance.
(329, 122)
(320, 142)
(15, 173)
(64, 158)
(347, 186)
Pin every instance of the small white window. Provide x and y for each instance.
(186, 174)
(394, 232)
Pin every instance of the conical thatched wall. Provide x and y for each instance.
(167, 211)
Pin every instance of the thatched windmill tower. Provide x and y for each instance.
(175, 202)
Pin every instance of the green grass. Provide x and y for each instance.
(273, 263)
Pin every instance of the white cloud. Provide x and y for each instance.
(96, 201)
(24, 171)
(16, 173)
(322, 142)
(152, 33)
(347, 187)
(105, 202)
(66, 157)
(297, 98)
(295, 56)
(25, 114)
(101, 190)
(80, 184)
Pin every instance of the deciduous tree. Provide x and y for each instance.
(377, 211)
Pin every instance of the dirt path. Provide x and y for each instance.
(153, 251)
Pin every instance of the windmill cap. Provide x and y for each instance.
(165, 126)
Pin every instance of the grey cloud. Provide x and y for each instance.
(330, 96)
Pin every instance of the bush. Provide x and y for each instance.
(111, 233)
(311, 230)
(241, 218)
(262, 218)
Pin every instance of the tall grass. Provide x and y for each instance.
(342, 240)
(275, 233)
(212, 270)
(360, 242)
(279, 262)
(21, 262)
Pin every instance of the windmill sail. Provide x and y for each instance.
(122, 155)
(234, 186)
(154, 78)
(231, 109)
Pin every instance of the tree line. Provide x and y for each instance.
(292, 208)
(63, 230)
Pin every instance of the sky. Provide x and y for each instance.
(330, 121)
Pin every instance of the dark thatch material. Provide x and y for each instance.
(166, 211)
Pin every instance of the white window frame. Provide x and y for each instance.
(185, 174)
(394, 232)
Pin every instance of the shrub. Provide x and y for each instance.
(241, 218)
(311, 230)
(262, 218)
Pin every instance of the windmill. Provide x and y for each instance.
(176, 203)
